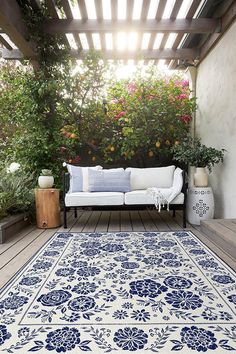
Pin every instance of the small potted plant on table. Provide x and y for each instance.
(46, 180)
(191, 151)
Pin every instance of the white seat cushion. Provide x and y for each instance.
(140, 197)
(94, 198)
(143, 178)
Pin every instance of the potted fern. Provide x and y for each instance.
(191, 151)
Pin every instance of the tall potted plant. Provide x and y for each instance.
(191, 151)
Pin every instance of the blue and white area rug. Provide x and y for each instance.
(143, 292)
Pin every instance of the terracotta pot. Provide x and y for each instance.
(200, 177)
(46, 181)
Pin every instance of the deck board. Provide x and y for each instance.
(23, 245)
(114, 224)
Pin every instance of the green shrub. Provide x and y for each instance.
(16, 191)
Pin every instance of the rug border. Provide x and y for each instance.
(89, 232)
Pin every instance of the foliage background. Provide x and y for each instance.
(48, 120)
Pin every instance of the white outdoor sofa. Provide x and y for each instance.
(140, 180)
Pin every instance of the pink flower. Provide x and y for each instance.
(131, 88)
(119, 115)
(114, 101)
(151, 97)
(183, 83)
(77, 159)
(182, 96)
(186, 118)
(62, 149)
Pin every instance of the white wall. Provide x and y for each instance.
(216, 118)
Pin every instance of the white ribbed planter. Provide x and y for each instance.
(45, 181)
(200, 205)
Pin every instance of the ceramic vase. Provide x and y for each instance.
(45, 181)
(200, 177)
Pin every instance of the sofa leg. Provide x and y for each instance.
(184, 218)
(173, 213)
(75, 212)
(65, 218)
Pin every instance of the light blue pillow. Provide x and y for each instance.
(115, 180)
(76, 178)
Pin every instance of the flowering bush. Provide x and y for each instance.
(142, 120)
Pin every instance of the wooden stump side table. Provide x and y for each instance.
(47, 208)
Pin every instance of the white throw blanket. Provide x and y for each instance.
(162, 196)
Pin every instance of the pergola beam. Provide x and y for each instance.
(12, 23)
(169, 54)
(199, 25)
(228, 18)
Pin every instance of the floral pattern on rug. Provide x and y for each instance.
(154, 292)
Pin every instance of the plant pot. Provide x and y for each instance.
(200, 177)
(45, 181)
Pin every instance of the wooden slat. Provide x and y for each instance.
(147, 221)
(170, 221)
(103, 222)
(51, 8)
(13, 251)
(228, 224)
(99, 12)
(155, 215)
(176, 8)
(184, 53)
(145, 8)
(83, 9)
(173, 15)
(114, 224)
(69, 15)
(81, 221)
(125, 222)
(190, 14)
(114, 10)
(84, 15)
(129, 9)
(5, 43)
(160, 9)
(53, 13)
(16, 238)
(199, 25)
(92, 221)
(12, 23)
(136, 221)
(159, 13)
(193, 8)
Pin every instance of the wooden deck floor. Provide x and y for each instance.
(22, 246)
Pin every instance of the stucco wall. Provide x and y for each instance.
(216, 118)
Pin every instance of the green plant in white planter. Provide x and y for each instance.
(191, 151)
(46, 180)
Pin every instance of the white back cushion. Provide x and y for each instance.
(143, 178)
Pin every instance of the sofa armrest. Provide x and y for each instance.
(185, 185)
(66, 183)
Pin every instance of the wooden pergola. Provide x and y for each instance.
(181, 32)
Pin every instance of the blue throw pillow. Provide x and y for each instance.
(76, 178)
(116, 180)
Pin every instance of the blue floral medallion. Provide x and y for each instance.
(54, 298)
(130, 339)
